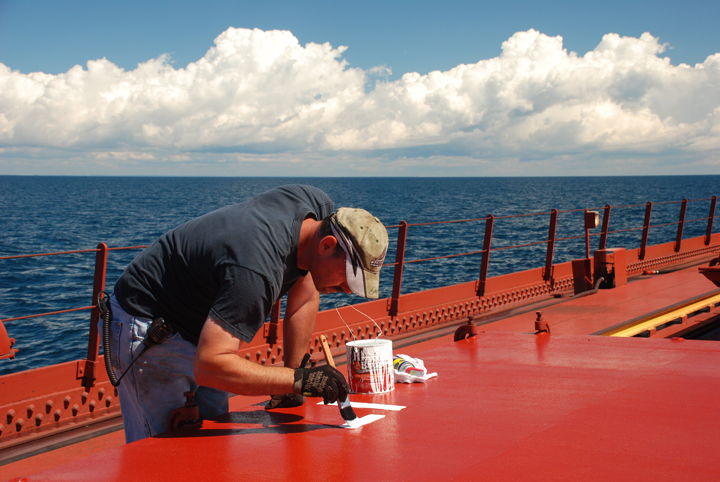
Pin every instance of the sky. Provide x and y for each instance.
(334, 88)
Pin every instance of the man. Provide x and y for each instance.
(214, 280)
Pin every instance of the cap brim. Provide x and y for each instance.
(361, 282)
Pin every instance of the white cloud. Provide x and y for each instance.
(262, 92)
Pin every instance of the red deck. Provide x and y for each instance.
(590, 314)
(506, 406)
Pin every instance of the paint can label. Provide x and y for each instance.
(370, 368)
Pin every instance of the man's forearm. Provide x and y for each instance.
(218, 365)
(234, 374)
(297, 330)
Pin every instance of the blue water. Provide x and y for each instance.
(50, 214)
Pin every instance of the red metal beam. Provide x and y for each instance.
(399, 263)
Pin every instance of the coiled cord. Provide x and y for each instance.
(104, 306)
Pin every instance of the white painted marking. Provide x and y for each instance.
(377, 406)
(359, 422)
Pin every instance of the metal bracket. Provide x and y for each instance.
(541, 326)
(466, 331)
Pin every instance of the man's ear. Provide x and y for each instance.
(328, 243)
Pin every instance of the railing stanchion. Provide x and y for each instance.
(93, 338)
(551, 245)
(487, 242)
(681, 225)
(711, 216)
(605, 227)
(587, 236)
(646, 230)
(397, 275)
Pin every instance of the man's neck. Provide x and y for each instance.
(308, 232)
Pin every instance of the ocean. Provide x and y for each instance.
(52, 214)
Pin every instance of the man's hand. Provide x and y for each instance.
(324, 381)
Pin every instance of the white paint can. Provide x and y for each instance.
(370, 366)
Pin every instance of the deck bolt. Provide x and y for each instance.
(19, 424)
(84, 397)
(108, 400)
(58, 414)
(101, 392)
(75, 409)
(2, 427)
(66, 401)
(273, 359)
(247, 356)
(48, 406)
(30, 410)
(39, 418)
(262, 362)
(10, 415)
(92, 406)
(258, 354)
(269, 351)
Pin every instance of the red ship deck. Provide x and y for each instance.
(590, 314)
(506, 406)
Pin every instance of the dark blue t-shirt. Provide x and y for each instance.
(234, 262)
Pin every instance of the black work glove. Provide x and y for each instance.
(285, 401)
(324, 381)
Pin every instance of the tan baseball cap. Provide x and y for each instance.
(365, 241)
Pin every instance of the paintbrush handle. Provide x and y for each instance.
(326, 351)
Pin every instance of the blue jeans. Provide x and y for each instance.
(155, 384)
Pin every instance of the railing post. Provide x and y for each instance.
(93, 338)
(681, 225)
(587, 236)
(397, 275)
(271, 328)
(711, 216)
(605, 227)
(551, 245)
(646, 230)
(487, 242)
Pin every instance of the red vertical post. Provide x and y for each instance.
(646, 230)
(605, 227)
(271, 329)
(681, 225)
(587, 236)
(485, 263)
(397, 275)
(551, 245)
(98, 286)
(711, 216)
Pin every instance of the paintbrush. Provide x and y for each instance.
(346, 411)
